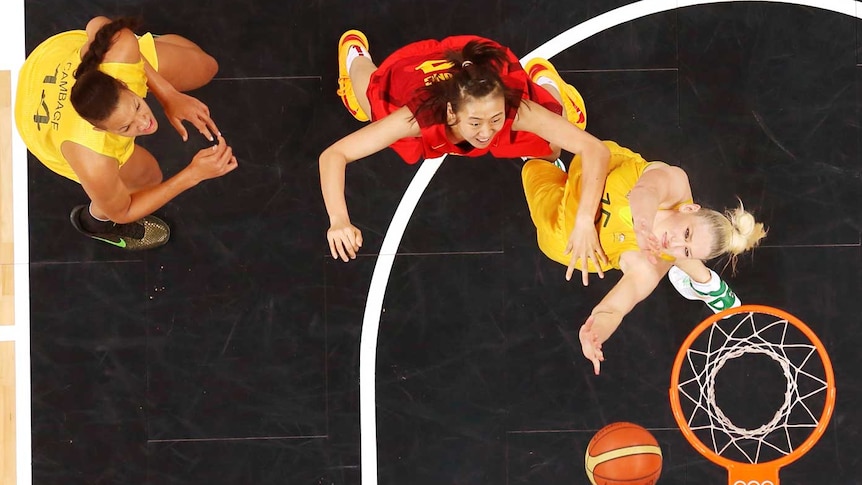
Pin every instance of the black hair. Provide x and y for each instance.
(95, 94)
(475, 73)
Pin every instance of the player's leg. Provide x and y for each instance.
(544, 74)
(544, 189)
(141, 171)
(183, 63)
(354, 73)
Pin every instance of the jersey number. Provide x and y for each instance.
(605, 214)
(433, 68)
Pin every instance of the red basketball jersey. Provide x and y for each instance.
(396, 83)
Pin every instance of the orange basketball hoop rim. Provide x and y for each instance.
(764, 473)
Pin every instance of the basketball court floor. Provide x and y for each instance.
(447, 353)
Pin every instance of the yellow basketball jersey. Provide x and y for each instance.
(43, 114)
(614, 220)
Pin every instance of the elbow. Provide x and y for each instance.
(121, 215)
(323, 159)
(603, 152)
(331, 158)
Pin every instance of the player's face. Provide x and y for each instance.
(480, 119)
(684, 235)
(132, 117)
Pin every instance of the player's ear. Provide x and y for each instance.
(687, 208)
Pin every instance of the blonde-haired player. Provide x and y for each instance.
(648, 226)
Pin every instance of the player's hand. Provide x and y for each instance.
(590, 345)
(181, 107)
(648, 242)
(213, 161)
(584, 245)
(344, 240)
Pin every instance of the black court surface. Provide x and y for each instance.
(232, 354)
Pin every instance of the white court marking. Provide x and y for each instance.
(383, 267)
(11, 58)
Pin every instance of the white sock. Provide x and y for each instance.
(354, 52)
(713, 284)
(90, 210)
(545, 80)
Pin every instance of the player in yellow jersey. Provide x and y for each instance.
(648, 226)
(80, 104)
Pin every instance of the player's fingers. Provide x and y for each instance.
(178, 125)
(602, 256)
(206, 133)
(339, 245)
(350, 236)
(355, 237)
(211, 125)
(349, 242)
(339, 251)
(358, 239)
(232, 165)
(594, 259)
(332, 249)
(208, 126)
(201, 126)
(223, 154)
(221, 147)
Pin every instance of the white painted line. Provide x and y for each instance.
(644, 8)
(373, 310)
(11, 58)
(8, 333)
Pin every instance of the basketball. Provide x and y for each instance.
(623, 454)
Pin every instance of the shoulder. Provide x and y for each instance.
(672, 177)
(670, 182)
(530, 116)
(668, 170)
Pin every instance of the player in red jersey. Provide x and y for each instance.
(464, 96)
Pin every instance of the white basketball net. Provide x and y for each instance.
(727, 340)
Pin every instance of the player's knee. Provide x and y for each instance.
(152, 178)
(210, 66)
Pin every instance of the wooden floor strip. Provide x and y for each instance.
(7, 287)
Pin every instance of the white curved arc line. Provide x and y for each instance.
(383, 267)
(371, 318)
(643, 8)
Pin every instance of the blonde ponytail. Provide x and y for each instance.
(735, 232)
(746, 232)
